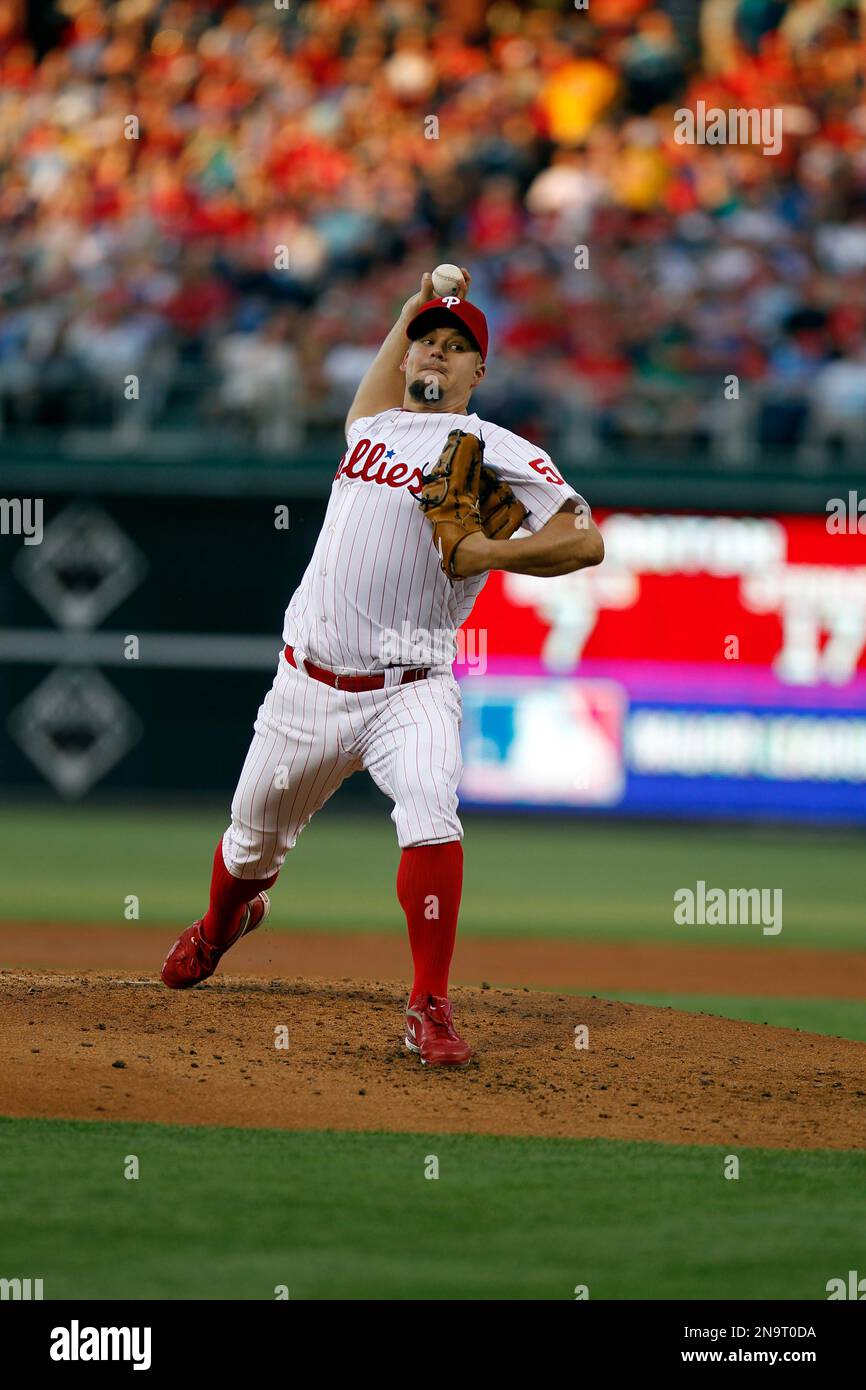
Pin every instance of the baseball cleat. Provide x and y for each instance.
(430, 1033)
(192, 958)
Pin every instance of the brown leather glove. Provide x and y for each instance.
(448, 495)
(501, 513)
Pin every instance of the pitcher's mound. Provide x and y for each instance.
(318, 1054)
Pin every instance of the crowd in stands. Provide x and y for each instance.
(230, 202)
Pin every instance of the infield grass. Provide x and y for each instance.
(522, 877)
(839, 1018)
(232, 1214)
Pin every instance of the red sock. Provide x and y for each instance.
(429, 884)
(228, 898)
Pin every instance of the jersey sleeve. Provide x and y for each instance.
(531, 474)
(356, 429)
(361, 426)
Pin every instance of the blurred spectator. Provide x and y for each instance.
(230, 202)
(757, 18)
(838, 399)
(652, 62)
(260, 387)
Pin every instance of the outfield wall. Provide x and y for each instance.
(714, 665)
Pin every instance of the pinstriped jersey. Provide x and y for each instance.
(374, 594)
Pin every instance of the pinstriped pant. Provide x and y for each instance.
(309, 738)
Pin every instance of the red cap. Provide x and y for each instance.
(446, 309)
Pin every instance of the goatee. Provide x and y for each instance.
(418, 392)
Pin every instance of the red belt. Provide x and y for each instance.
(353, 683)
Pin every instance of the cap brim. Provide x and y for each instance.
(435, 318)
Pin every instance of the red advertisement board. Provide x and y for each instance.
(779, 593)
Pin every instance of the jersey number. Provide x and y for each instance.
(546, 470)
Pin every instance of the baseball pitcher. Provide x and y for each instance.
(424, 504)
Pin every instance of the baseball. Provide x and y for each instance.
(448, 279)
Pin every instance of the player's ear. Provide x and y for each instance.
(405, 360)
(480, 371)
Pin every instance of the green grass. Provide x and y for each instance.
(233, 1213)
(840, 1018)
(551, 878)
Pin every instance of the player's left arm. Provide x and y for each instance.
(568, 541)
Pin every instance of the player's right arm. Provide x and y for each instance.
(568, 541)
(383, 383)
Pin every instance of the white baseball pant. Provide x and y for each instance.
(309, 738)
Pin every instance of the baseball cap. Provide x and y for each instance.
(444, 310)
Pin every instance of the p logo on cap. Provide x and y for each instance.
(450, 309)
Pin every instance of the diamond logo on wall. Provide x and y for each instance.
(74, 727)
(84, 567)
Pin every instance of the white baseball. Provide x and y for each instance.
(447, 279)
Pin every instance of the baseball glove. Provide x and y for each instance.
(501, 513)
(448, 495)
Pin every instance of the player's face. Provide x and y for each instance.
(441, 368)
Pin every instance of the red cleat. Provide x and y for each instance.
(430, 1033)
(192, 958)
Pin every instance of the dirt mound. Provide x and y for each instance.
(100, 1046)
(785, 972)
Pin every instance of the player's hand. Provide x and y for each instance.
(414, 303)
